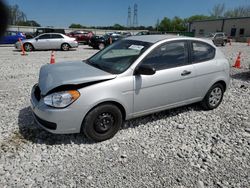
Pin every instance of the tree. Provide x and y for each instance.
(157, 24)
(197, 17)
(79, 26)
(16, 15)
(217, 11)
(150, 28)
(241, 11)
(118, 27)
(165, 24)
(178, 24)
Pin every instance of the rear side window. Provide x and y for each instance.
(56, 36)
(45, 36)
(219, 35)
(168, 55)
(202, 52)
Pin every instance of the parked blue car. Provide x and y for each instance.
(11, 37)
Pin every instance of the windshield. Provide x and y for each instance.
(210, 35)
(118, 57)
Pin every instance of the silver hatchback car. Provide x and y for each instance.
(133, 77)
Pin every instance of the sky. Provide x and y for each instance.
(62, 13)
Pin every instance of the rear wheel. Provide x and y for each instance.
(28, 47)
(213, 97)
(102, 123)
(65, 47)
(101, 46)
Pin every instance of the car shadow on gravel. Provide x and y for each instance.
(161, 115)
(30, 131)
(244, 76)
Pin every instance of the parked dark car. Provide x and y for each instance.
(41, 30)
(11, 37)
(100, 42)
(151, 33)
(81, 36)
(218, 38)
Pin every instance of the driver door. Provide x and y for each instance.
(172, 84)
(42, 42)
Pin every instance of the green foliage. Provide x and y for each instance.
(176, 24)
(79, 26)
(197, 17)
(165, 24)
(118, 27)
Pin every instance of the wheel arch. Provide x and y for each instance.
(220, 81)
(223, 83)
(115, 103)
(30, 44)
(65, 43)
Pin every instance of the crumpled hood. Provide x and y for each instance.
(69, 73)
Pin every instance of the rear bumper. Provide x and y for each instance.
(74, 44)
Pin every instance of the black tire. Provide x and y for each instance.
(101, 46)
(102, 122)
(213, 97)
(65, 47)
(28, 47)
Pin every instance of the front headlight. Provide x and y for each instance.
(61, 99)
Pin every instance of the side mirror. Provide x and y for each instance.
(144, 70)
(36, 39)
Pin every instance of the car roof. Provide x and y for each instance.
(51, 34)
(153, 38)
(157, 38)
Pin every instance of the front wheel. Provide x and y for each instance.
(28, 47)
(102, 123)
(213, 97)
(101, 46)
(65, 47)
(224, 43)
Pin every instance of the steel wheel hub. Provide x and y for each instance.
(215, 96)
(104, 122)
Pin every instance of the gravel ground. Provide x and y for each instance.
(183, 147)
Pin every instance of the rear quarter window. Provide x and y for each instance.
(202, 51)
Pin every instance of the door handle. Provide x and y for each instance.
(185, 73)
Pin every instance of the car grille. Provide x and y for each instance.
(37, 93)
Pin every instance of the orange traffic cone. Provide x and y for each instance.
(22, 48)
(248, 43)
(237, 62)
(52, 58)
(110, 40)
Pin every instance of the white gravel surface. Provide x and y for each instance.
(183, 147)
